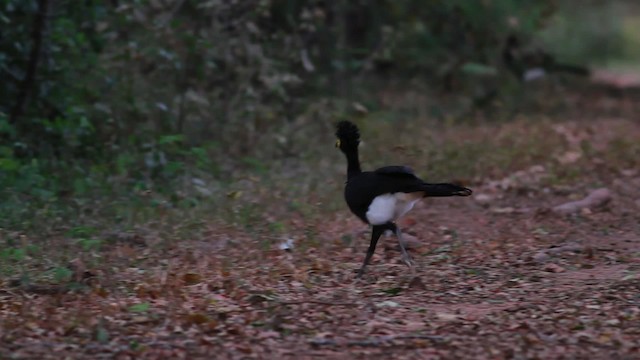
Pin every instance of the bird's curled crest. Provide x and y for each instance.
(348, 134)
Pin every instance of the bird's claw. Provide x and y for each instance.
(406, 259)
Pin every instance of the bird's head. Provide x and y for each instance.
(348, 136)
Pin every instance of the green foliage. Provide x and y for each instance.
(135, 108)
(62, 274)
(598, 43)
(13, 254)
(102, 335)
(140, 308)
(45, 104)
(85, 239)
(150, 76)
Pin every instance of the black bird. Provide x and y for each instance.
(380, 197)
(531, 63)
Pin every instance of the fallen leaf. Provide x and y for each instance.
(197, 318)
(447, 316)
(191, 278)
(416, 283)
(388, 303)
(392, 291)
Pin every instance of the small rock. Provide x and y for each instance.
(286, 245)
(388, 303)
(447, 317)
(570, 157)
(554, 268)
(612, 322)
(413, 326)
(503, 210)
(483, 199)
(541, 257)
(358, 107)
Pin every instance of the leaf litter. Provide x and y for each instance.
(488, 284)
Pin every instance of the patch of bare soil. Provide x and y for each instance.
(498, 276)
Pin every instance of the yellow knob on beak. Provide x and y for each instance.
(338, 143)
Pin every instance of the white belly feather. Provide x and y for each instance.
(389, 207)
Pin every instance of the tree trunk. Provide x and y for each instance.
(25, 88)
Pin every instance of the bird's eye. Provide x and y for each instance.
(338, 143)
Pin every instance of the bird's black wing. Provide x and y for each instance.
(401, 171)
(393, 179)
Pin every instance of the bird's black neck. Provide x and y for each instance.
(353, 162)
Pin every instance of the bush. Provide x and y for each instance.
(122, 97)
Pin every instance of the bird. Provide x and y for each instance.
(528, 64)
(381, 197)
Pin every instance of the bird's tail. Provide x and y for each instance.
(444, 189)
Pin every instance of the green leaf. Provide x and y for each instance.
(257, 164)
(392, 291)
(81, 232)
(9, 165)
(170, 139)
(62, 274)
(134, 345)
(89, 243)
(6, 127)
(142, 307)
(102, 336)
(80, 186)
(13, 254)
(479, 69)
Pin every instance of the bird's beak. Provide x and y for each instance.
(338, 143)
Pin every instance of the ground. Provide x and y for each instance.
(498, 275)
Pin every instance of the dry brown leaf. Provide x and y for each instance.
(197, 318)
(191, 278)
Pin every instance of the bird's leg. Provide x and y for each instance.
(375, 236)
(405, 255)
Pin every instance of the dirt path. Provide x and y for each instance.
(498, 276)
(493, 281)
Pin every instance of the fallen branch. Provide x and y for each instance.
(286, 303)
(317, 302)
(595, 199)
(45, 289)
(51, 289)
(375, 341)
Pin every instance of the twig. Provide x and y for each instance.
(317, 302)
(44, 289)
(375, 341)
(286, 303)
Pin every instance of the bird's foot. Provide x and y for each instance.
(406, 259)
